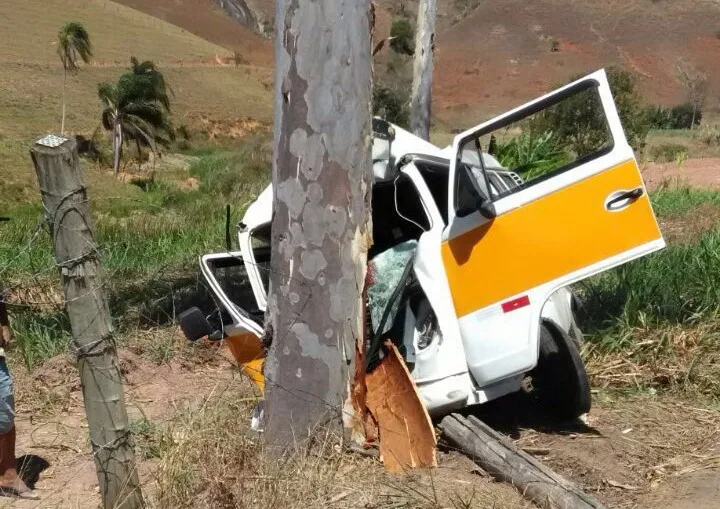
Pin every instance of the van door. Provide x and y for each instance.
(580, 209)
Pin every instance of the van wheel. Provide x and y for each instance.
(560, 382)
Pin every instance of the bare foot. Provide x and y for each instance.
(17, 488)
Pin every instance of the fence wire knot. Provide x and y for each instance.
(115, 443)
(95, 348)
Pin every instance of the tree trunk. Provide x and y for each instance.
(320, 233)
(421, 98)
(499, 457)
(62, 122)
(117, 147)
(67, 209)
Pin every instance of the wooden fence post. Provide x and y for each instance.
(67, 211)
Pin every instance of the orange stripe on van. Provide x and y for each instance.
(543, 240)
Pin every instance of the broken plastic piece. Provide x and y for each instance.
(248, 352)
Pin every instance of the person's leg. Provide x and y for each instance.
(10, 482)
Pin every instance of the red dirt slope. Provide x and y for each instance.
(205, 19)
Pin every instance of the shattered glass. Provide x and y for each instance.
(387, 269)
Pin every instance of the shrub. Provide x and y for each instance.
(391, 104)
(660, 117)
(686, 116)
(404, 37)
(677, 117)
(667, 152)
(579, 125)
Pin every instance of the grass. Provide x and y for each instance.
(209, 460)
(673, 201)
(31, 75)
(149, 243)
(115, 31)
(654, 322)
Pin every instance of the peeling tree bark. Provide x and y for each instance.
(320, 232)
(421, 98)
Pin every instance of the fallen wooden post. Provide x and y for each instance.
(498, 456)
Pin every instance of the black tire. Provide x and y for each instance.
(560, 382)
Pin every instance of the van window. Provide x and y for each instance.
(555, 136)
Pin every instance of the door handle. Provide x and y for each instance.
(621, 199)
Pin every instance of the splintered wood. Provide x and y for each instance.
(407, 438)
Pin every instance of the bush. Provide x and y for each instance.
(392, 105)
(668, 152)
(578, 124)
(677, 117)
(404, 37)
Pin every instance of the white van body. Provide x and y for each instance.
(466, 343)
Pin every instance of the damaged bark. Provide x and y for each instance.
(407, 437)
(321, 234)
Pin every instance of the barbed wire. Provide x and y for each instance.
(334, 408)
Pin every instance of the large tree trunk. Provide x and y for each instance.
(320, 232)
(421, 98)
(67, 209)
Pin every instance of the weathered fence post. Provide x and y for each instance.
(67, 211)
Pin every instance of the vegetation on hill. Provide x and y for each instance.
(136, 110)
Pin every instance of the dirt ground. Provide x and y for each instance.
(695, 172)
(52, 430)
(635, 451)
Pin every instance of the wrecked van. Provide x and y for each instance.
(474, 248)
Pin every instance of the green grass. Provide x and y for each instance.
(38, 336)
(31, 75)
(679, 284)
(677, 201)
(149, 242)
(652, 324)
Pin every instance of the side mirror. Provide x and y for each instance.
(194, 324)
(486, 208)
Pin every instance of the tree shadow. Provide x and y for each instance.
(515, 412)
(29, 467)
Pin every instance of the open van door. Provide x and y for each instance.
(580, 209)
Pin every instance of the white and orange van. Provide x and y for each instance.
(480, 255)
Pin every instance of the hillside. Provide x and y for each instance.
(494, 55)
(207, 20)
(501, 53)
(31, 74)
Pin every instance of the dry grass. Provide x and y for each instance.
(31, 75)
(30, 28)
(672, 358)
(213, 460)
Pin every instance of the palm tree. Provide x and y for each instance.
(73, 43)
(136, 108)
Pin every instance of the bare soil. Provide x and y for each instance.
(694, 172)
(634, 451)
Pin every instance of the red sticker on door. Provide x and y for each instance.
(515, 304)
